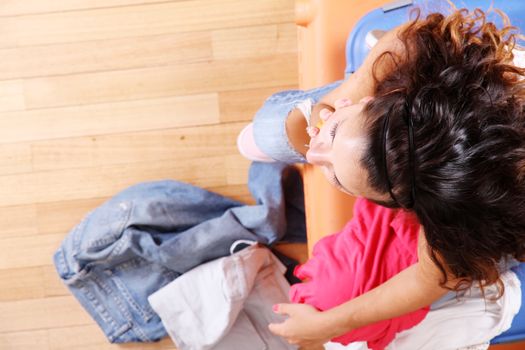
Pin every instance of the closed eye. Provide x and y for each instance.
(333, 130)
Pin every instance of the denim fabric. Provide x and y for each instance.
(269, 124)
(148, 235)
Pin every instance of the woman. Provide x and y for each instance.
(443, 138)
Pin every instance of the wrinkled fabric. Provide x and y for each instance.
(466, 320)
(226, 304)
(269, 123)
(463, 322)
(149, 234)
(374, 246)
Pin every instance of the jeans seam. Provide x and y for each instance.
(146, 316)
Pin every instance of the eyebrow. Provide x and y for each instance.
(333, 169)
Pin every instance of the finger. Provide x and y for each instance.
(284, 309)
(276, 328)
(279, 309)
(342, 102)
(312, 131)
(325, 114)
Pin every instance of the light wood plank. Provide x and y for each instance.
(104, 55)
(242, 42)
(24, 283)
(131, 21)
(18, 221)
(241, 105)
(53, 285)
(91, 338)
(193, 78)
(44, 218)
(24, 7)
(33, 282)
(28, 251)
(35, 314)
(106, 118)
(53, 186)
(237, 169)
(12, 97)
(62, 216)
(25, 340)
(15, 158)
(96, 96)
(160, 145)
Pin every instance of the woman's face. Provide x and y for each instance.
(338, 149)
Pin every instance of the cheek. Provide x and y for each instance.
(351, 173)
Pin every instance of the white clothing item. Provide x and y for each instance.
(465, 323)
(362, 346)
(305, 106)
(226, 304)
(469, 320)
(483, 346)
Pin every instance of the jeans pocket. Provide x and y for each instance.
(135, 280)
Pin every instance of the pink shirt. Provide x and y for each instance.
(374, 246)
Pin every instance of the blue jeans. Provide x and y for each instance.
(269, 124)
(150, 234)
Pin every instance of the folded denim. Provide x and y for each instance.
(236, 314)
(149, 234)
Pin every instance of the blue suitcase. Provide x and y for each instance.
(396, 13)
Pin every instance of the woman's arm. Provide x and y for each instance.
(416, 287)
(412, 289)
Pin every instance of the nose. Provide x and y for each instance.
(318, 153)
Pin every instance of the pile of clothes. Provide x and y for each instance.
(168, 258)
(127, 261)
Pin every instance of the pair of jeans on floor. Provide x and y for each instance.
(150, 234)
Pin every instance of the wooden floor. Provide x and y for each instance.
(96, 96)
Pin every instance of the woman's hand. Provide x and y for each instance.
(306, 326)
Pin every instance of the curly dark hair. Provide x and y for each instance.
(456, 90)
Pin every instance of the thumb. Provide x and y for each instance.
(276, 328)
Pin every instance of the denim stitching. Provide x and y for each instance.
(145, 314)
(100, 309)
(125, 311)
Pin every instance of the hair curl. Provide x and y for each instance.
(457, 82)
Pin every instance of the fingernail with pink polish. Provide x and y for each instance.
(275, 308)
(312, 131)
